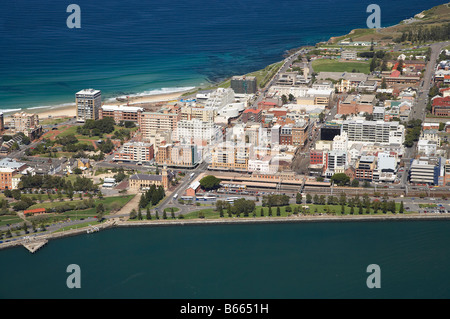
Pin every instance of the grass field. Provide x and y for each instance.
(9, 219)
(327, 65)
(210, 213)
(92, 223)
(77, 214)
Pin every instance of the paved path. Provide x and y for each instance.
(127, 208)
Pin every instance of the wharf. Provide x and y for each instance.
(33, 246)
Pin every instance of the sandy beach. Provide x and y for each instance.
(59, 111)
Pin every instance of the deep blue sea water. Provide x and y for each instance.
(135, 46)
(274, 261)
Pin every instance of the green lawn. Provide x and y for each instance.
(90, 212)
(9, 219)
(329, 65)
(92, 223)
(210, 213)
(168, 209)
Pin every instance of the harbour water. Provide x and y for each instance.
(279, 261)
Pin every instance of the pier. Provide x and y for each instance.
(34, 245)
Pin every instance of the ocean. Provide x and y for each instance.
(148, 46)
(324, 260)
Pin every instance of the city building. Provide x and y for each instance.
(198, 112)
(340, 142)
(348, 55)
(360, 130)
(286, 135)
(220, 98)
(365, 167)
(426, 170)
(164, 120)
(336, 162)
(440, 106)
(354, 104)
(178, 155)
(198, 132)
(244, 84)
(252, 115)
(142, 182)
(88, 103)
(231, 156)
(329, 130)
(6, 175)
(299, 133)
(121, 113)
(135, 152)
(426, 147)
(25, 123)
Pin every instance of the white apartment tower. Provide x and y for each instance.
(88, 103)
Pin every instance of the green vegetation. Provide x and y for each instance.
(210, 182)
(329, 65)
(413, 130)
(152, 196)
(91, 223)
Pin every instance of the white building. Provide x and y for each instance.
(374, 131)
(219, 98)
(340, 142)
(336, 162)
(426, 147)
(88, 103)
(198, 132)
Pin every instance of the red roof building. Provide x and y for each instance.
(35, 211)
(252, 115)
(440, 106)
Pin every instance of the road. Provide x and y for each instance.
(418, 110)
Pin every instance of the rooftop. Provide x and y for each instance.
(146, 177)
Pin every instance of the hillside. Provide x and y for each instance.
(428, 19)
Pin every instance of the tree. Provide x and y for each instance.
(100, 210)
(316, 199)
(298, 198)
(261, 212)
(401, 208)
(172, 213)
(210, 182)
(284, 99)
(373, 64)
(133, 214)
(321, 117)
(383, 83)
(308, 199)
(148, 215)
(355, 183)
(164, 214)
(270, 211)
(139, 216)
(278, 211)
(340, 179)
